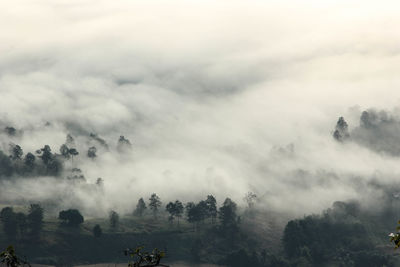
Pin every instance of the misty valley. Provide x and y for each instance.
(176, 133)
(69, 224)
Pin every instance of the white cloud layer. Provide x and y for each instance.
(206, 91)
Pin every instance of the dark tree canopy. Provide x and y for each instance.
(97, 231)
(30, 160)
(140, 207)
(114, 219)
(211, 204)
(9, 221)
(154, 204)
(35, 218)
(341, 132)
(16, 152)
(92, 152)
(71, 217)
(6, 167)
(64, 150)
(227, 214)
(175, 209)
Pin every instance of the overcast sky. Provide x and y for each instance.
(220, 97)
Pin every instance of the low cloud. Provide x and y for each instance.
(216, 98)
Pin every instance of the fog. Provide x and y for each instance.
(216, 98)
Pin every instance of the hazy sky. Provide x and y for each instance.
(207, 91)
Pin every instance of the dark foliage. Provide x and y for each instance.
(71, 217)
(97, 231)
(140, 208)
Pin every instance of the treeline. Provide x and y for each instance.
(341, 236)
(44, 161)
(196, 213)
(21, 225)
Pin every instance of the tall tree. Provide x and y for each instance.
(9, 221)
(30, 160)
(97, 231)
(114, 219)
(45, 154)
(16, 152)
(140, 207)
(341, 132)
(21, 222)
(211, 204)
(6, 167)
(154, 204)
(196, 213)
(64, 150)
(73, 152)
(227, 215)
(170, 208)
(35, 219)
(178, 210)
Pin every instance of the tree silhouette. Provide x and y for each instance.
(92, 152)
(97, 231)
(154, 204)
(140, 207)
(114, 219)
(35, 219)
(71, 217)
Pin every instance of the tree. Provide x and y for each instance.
(171, 210)
(22, 223)
(227, 215)
(196, 212)
(92, 152)
(178, 210)
(73, 152)
(97, 231)
(45, 154)
(10, 224)
(16, 152)
(341, 132)
(211, 204)
(140, 207)
(35, 219)
(30, 160)
(123, 144)
(64, 150)
(6, 167)
(100, 182)
(114, 219)
(71, 217)
(190, 213)
(154, 204)
(201, 211)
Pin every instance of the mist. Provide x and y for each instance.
(216, 98)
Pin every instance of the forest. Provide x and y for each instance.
(194, 231)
